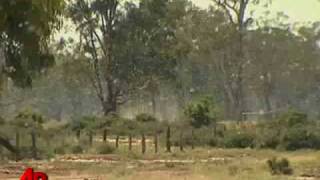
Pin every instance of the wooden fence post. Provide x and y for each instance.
(143, 143)
(168, 138)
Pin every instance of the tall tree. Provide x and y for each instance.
(97, 21)
(25, 30)
(233, 64)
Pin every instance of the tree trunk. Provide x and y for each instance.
(168, 139)
(154, 93)
(7, 145)
(34, 144)
(110, 103)
(117, 141)
(17, 145)
(78, 134)
(215, 128)
(156, 143)
(105, 135)
(192, 139)
(242, 28)
(109, 107)
(143, 144)
(181, 142)
(268, 108)
(90, 138)
(130, 142)
(227, 106)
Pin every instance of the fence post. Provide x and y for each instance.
(130, 142)
(192, 139)
(168, 139)
(105, 135)
(181, 141)
(117, 141)
(156, 142)
(143, 143)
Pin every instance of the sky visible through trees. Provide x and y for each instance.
(297, 10)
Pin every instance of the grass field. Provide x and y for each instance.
(202, 164)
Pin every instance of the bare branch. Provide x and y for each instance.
(226, 9)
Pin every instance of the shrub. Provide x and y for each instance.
(213, 142)
(25, 152)
(77, 149)
(279, 167)
(301, 137)
(239, 140)
(105, 149)
(293, 118)
(169, 165)
(292, 131)
(145, 118)
(200, 114)
(46, 153)
(60, 150)
(269, 135)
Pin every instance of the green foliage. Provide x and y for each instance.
(28, 120)
(200, 113)
(123, 126)
(301, 137)
(77, 149)
(25, 29)
(145, 118)
(239, 140)
(60, 150)
(147, 123)
(105, 149)
(292, 131)
(269, 134)
(292, 118)
(87, 123)
(279, 167)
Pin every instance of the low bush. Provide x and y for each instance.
(46, 153)
(301, 137)
(169, 165)
(293, 118)
(269, 135)
(238, 140)
(292, 131)
(60, 150)
(77, 149)
(279, 167)
(105, 149)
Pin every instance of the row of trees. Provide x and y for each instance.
(164, 54)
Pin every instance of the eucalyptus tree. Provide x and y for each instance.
(234, 59)
(98, 24)
(153, 25)
(25, 30)
(130, 47)
(283, 67)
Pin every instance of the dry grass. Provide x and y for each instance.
(244, 164)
